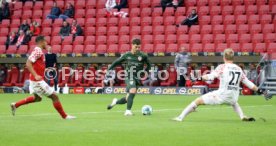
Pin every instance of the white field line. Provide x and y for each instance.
(106, 112)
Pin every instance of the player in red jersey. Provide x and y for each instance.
(36, 66)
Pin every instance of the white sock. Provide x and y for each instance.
(190, 108)
(238, 110)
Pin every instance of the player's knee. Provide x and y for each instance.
(38, 99)
(199, 101)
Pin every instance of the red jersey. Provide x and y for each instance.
(38, 61)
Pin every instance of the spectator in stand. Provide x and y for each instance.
(28, 37)
(55, 12)
(192, 19)
(4, 10)
(3, 74)
(35, 28)
(68, 13)
(152, 79)
(11, 39)
(110, 5)
(171, 3)
(65, 30)
(109, 79)
(252, 74)
(181, 63)
(22, 39)
(24, 26)
(121, 4)
(76, 29)
(51, 62)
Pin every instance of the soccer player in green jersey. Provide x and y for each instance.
(135, 61)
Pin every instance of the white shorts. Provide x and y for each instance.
(216, 98)
(41, 88)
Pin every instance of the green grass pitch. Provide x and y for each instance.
(39, 124)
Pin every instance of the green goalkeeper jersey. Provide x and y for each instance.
(134, 63)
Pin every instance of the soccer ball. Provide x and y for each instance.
(146, 110)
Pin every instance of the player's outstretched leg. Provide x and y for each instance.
(58, 107)
(239, 111)
(190, 108)
(25, 101)
(129, 104)
(116, 101)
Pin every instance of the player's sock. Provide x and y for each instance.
(130, 101)
(59, 108)
(190, 108)
(238, 110)
(25, 101)
(122, 101)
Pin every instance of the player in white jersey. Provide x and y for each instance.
(230, 76)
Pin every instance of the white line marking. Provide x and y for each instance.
(159, 110)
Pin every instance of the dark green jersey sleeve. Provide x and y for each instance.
(147, 62)
(117, 62)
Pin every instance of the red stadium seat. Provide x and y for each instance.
(46, 31)
(3, 40)
(18, 5)
(169, 11)
(55, 31)
(244, 38)
(145, 12)
(147, 48)
(169, 20)
(221, 47)
(100, 4)
(124, 39)
(58, 23)
(145, 3)
(170, 30)
(135, 21)
(101, 49)
(113, 48)
(209, 47)
(133, 4)
(246, 47)
(80, 13)
(90, 13)
(251, 9)
(239, 10)
(257, 38)
(101, 40)
(13, 77)
(230, 29)
(259, 48)
(263, 9)
(194, 29)
(171, 48)
(89, 40)
(214, 2)
(190, 2)
(90, 22)
(206, 29)
(227, 10)
(80, 4)
(78, 49)
(17, 14)
(5, 23)
(158, 20)
(160, 48)
(235, 47)
(147, 39)
(38, 5)
(56, 40)
(195, 38)
(89, 49)
(15, 23)
(89, 31)
(215, 10)
(196, 48)
(158, 30)
(158, 39)
(4, 31)
(270, 37)
(91, 4)
(112, 22)
(101, 22)
(135, 30)
(23, 49)
(202, 3)
(243, 28)
(253, 19)
(232, 38)
(183, 38)
(268, 28)
(124, 30)
(182, 30)
(271, 48)
(101, 31)
(56, 49)
(229, 19)
(67, 49)
(112, 30)
(220, 38)
(265, 19)
(180, 11)
(112, 39)
(146, 30)
(207, 38)
(25, 74)
(146, 21)
(170, 39)
(78, 40)
(216, 20)
(203, 10)
(157, 12)
(37, 14)
(47, 23)
(241, 19)
(203, 20)
(237, 2)
(124, 48)
(134, 12)
(255, 28)
(218, 29)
